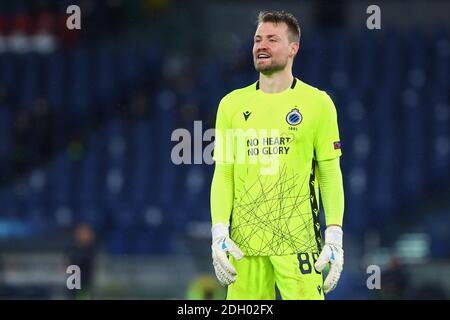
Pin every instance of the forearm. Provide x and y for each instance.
(331, 191)
(222, 193)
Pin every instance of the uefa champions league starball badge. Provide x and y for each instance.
(294, 117)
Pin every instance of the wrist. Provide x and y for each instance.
(334, 235)
(219, 230)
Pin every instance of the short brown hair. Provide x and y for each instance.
(282, 17)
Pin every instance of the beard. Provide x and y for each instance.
(272, 67)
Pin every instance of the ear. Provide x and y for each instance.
(294, 47)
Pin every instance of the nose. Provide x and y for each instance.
(261, 46)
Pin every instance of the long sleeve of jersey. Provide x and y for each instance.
(331, 191)
(222, 193)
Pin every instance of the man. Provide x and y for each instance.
(277, 140)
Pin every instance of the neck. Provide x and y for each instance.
(276, 82)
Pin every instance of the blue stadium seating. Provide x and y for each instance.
(393, 111)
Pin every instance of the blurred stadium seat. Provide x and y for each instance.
(110, 110)
(125, 167)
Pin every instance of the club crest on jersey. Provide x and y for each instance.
(294, 117)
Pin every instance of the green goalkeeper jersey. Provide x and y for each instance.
(273, 142)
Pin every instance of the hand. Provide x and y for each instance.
(221, 245)
(331, 253)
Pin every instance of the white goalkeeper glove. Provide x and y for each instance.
(221, 245)
(331, 253)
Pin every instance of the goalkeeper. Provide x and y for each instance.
(284, 144)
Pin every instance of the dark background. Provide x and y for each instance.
(86, 118)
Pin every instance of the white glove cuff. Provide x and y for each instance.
(334, 235)
(219, 230)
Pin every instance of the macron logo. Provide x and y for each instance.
(247, 115)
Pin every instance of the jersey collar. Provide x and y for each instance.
(294, 82)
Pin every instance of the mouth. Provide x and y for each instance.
(263, 56)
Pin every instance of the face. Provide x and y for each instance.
(271, 48)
